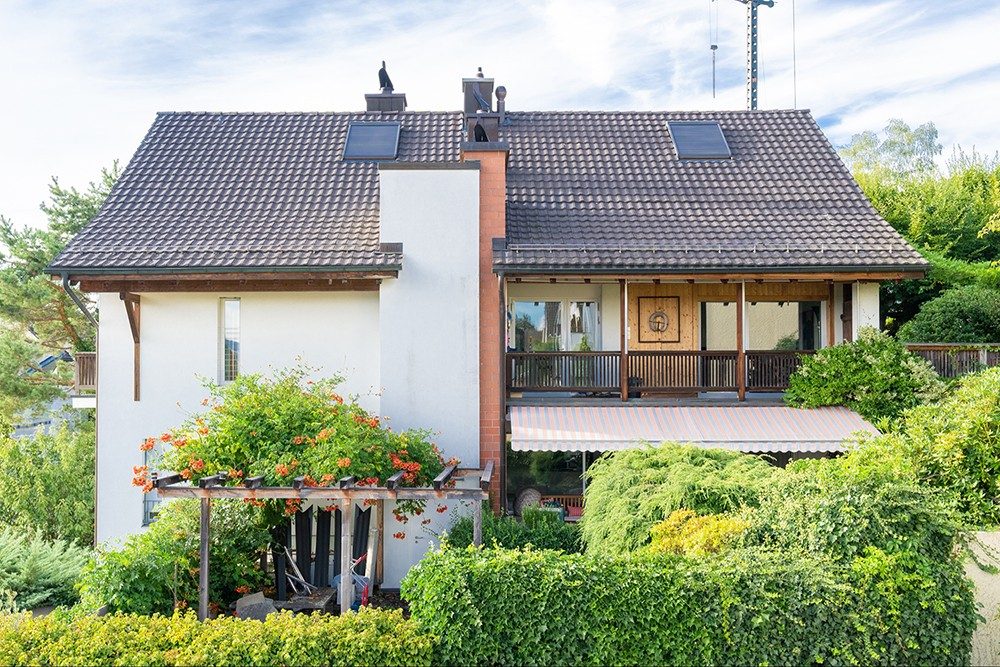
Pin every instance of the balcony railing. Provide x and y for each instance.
(952, 360)
(85, 371)
(649, 372)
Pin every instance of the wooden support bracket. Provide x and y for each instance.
(132, 303)
(443, 478)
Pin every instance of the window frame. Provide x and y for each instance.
(223, 339)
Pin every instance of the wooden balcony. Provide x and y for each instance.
(952, 360)
(85, 372)
(657, 372)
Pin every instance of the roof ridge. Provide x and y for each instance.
(301, 113)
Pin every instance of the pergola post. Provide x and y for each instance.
(477, 524)
(346, 556)
(206, 513)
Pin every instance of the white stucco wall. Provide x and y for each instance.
(429, 321)
(335, 331)
(865, 307)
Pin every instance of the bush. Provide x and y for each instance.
(686, 533)
(370, 637)
(875, 376)
(157, 570)
(541, 529)
(840, 509)
(510, 607)
(954, 447)
(47, 483)
(289, 427)
(963, 315)
(630, 491)
(37, 572)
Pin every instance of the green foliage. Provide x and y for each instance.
(962, 315)
(286, 427)
(840, 508)
(630, 491)
(875, 376)
(46, 483)
(510, 607)
(689, 534)
(157, 570)
(899, 150)
(38, 317)
(541, 529)
(954, 447)
(38, 572)
(370, 637)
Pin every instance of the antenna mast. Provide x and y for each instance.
(752, 48)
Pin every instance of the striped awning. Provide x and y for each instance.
(742, 428)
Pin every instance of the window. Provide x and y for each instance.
(151, 500)
(371, 141)
(229, 344)
(699, 140)
(583, 329)
(537, 326)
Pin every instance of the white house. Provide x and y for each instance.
(516, 281)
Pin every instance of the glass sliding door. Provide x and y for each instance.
(537, 326)
(584, 326)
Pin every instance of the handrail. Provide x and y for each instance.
(85, 371)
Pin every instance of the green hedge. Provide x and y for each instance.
(744, 607)
(539, 528)
(370, 637)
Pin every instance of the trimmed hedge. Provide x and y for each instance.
(539, 528)
(511, 607)
(371, 637)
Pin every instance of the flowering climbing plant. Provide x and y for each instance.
(286, 426)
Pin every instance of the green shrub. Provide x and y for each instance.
(840, 509)
(38, 572)
(510, 607)
(285, 427)
(47, 483)
(630, 491)
(689, 534)
(954, 447)
(157, 570)
(875, 376)
(541, 529)
(371, 637)
(963, 315)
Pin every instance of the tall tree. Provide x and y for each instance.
(37, 318)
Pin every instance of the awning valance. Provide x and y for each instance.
(742, 428)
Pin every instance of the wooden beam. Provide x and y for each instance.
(622, 342)
(831, 328)
(443, 478)
(254, 482)
(132, 304)
(204, 538)
(486, 477)
(358, 493)
(741, 355)
(160, 481)
(298, 482)
(394, 481)
(852, 276)
(211, 480)
(246, 285)
(345, 482)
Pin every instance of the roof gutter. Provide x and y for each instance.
(137, 271)
(76, 299)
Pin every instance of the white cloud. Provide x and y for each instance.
(83, 79)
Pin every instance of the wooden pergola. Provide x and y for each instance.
(169, 485)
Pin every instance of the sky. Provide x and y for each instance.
(81, 80)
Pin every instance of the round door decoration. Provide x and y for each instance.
(658, 321)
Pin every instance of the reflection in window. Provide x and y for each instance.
(785, 325)
(537, 326)
(230, 342)
(583, 326)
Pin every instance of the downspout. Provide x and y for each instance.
(76, 299)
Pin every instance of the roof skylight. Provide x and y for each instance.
(371, 141)
(699, 140)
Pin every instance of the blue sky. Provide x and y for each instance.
(82, 80)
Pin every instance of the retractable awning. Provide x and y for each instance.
(741, 428)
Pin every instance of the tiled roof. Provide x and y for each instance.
(605, 191)
(251, 191)
(595, 191)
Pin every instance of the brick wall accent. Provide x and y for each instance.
(492, 224)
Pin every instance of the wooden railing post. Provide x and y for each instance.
(623, 352)
(741, 353)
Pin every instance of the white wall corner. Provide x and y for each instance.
(866, 307)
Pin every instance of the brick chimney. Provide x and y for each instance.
(492, 157)
(385, 99)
